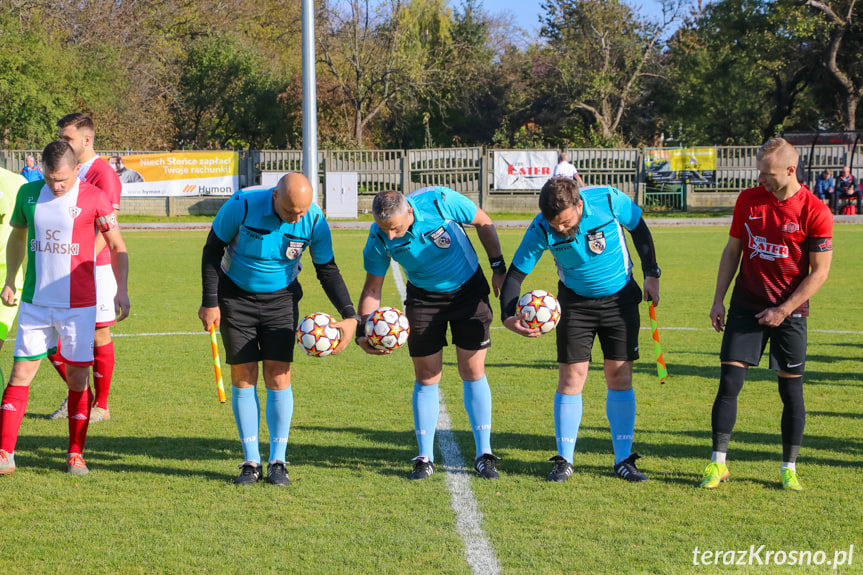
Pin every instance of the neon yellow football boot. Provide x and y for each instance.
(789, 479)
(715, 474)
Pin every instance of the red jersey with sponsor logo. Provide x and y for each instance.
(775, 237)
(100, 173)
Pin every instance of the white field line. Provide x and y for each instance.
(468, 518)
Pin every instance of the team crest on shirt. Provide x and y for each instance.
(74, 211)
(441, 237)
(790, 227)
(294, 250)
(596, 242)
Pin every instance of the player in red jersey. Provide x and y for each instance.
(784, 235)
(79, 131)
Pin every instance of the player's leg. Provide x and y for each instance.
(277, 351)
(425, 344)
(471, 336)
(34, 335)
(77, 328)
(788, 357)
(240, 318)
(103, 352)
(575, 334)
(618, 329)
(56, 358)
(743, 342)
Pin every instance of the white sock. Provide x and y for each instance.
(789, 465)
(718, 457)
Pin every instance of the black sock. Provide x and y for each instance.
(793, 416)
(725, 405)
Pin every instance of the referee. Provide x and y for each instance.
(446, 287)
(249, 272)
(583, 229)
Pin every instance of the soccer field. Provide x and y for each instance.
(160, 498)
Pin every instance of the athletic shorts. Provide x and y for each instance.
(744, 340)
(258, 326)
(106, 291)
(465, 310)
(615, 319)
(39, 327)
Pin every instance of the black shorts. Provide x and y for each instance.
(466, 310)
(258, 326)
(615, 319)
(744, 340)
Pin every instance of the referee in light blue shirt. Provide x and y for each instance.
(583, 230)
(446, 287)
(249, 273)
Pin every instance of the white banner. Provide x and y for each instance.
(523, 169)
(178, 174)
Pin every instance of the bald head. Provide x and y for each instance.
(292, 197)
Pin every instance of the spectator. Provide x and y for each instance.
(823, 189)
(32, 172)
(564, 168)
(846, 188)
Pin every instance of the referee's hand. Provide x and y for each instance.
(517, 324)
(363, 342)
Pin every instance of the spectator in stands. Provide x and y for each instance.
(824, 187)
(564, 168)
(846, 188)
(31, 171)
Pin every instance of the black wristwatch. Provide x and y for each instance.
(653, 272)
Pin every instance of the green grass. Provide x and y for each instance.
(159, 498)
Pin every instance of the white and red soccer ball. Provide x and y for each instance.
(317, 335)
(387, 328)
(539, 310)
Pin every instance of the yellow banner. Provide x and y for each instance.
(692, 159)
(177, 173)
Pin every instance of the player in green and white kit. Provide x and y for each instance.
(10, 182)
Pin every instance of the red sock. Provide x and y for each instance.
(58, 363)
(103, 370)
(12, 409)
(79, 419)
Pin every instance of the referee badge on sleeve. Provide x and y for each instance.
(441, 237)
(294, 250)
(596, 242)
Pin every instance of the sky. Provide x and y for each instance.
(527, 11)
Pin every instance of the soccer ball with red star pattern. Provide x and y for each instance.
(387, 328)
(539, 309)
(317, 335)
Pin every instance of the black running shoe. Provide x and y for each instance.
(422, 469)
(277, 474)
(249, 475)
(627, 469)
(485, 466)
(562, 469)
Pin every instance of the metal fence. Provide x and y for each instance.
(470, 170)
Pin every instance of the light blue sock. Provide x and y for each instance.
(567, 420)
(477, 403)
(426, 408)
(280, 409)
(620, 410)
(247, 413)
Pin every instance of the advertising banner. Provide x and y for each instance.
(178, 173)
(523, 169)
(680, 165)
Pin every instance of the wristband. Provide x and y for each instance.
(498, 266)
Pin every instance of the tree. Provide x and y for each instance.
(599, 54)
(845, 65)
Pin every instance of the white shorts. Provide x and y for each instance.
(39, 326)
(106, 290)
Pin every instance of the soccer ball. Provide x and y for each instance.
(542, 310)
(317, 336)
(387, 328)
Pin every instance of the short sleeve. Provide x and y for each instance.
(229, 218)
(376, 260)
(625, 209)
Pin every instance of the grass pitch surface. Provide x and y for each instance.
(160, 498)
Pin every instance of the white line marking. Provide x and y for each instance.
(468, 518)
